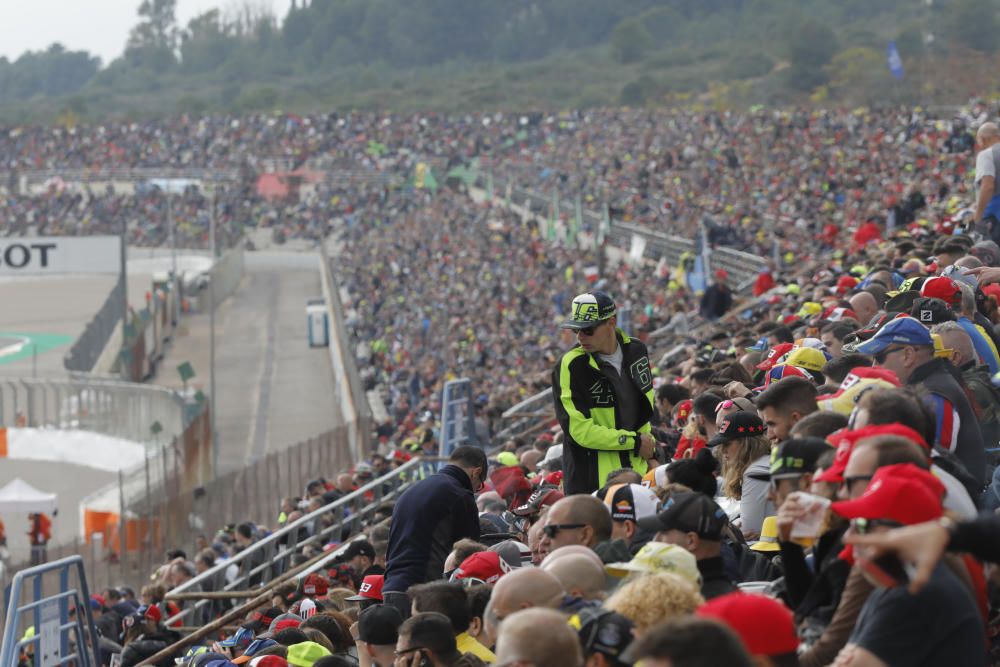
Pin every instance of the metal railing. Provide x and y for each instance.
(57, 639)
(741, 265)
(271, 556)
(121, 409)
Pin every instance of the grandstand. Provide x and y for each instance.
(443, 294)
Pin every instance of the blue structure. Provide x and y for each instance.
(457, 426)
(58, 639)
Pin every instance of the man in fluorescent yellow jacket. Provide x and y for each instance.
(603, 393)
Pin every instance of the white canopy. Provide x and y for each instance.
(21, 497)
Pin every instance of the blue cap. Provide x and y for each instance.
(259, 645)
(902, 331)
(760, 346)
(242, 638)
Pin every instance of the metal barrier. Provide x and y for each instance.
(86, 349)
(120, 409)
(457, 422)
(225, 277)
(355, 409)
(272, 555)
(57, 639)
(742, 266)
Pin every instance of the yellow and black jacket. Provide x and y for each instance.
(597, 439)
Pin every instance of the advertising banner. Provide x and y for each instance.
(51, 255)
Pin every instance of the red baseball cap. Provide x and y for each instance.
(766, 626)
(901, 492)
(286, 623)
(371, 589)
(776, 353)
(944, 288)
(486, 566)
(844, 440)
(845, 284)
(315, 584)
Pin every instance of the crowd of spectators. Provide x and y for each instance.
(794, 435)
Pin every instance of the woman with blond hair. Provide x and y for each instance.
(654, 597)
(745, 453)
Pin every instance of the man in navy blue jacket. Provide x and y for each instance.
(428, 519)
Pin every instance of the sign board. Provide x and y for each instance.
(52, 255)
(638, 248)
(49, 646)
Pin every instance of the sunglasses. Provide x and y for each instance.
(864, 526)
(553, 529)
(880, 357)
(589, 331)
(849, 482)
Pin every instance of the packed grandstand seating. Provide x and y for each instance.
(877, 296)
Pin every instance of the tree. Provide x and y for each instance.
(810, 47)
(860, 75)
(152, 41)
(629, 41)
(974, 24)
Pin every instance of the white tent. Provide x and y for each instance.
(21, 497)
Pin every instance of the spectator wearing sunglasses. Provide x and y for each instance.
(603, 393)
(905, 347)
(940, 624)
(585, 521)
(427, 640)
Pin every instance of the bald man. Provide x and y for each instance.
(864, 304)
(522, 589)
(538, 637)
(987, 165)
(578, 519)
(562, 552)
(581, 576)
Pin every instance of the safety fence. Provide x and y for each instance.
(121, 409)
(87, 349)
(742, 266)
(353, 398)
(224, 277)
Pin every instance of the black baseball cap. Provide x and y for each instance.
(359, 548)
(379, 625)
(902, 301)
(603, 631)
(590, 309)
(929, 311)
(689, 513)
(796, 457)
(738, 425)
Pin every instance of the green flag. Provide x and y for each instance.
(577, 222)
(186, 371)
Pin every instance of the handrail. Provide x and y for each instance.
(80, 597)
(269, 550)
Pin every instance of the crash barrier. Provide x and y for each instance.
(125, 410)
(457, 416)
(270, 557)
(147, 334)
(352, 397)
(224, 278)
(38, 620)
(85, 351)
(31, 179)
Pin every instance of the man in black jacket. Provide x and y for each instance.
(603, 393)
(905, 347)
(428, 519)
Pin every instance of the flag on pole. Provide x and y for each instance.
(489, 186)
(894, 61)
(550, 228)
(577, 222)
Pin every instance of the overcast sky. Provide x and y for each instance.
(98, 26)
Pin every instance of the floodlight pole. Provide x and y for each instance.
(211, 336)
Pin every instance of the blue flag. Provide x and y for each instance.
(894, 61)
